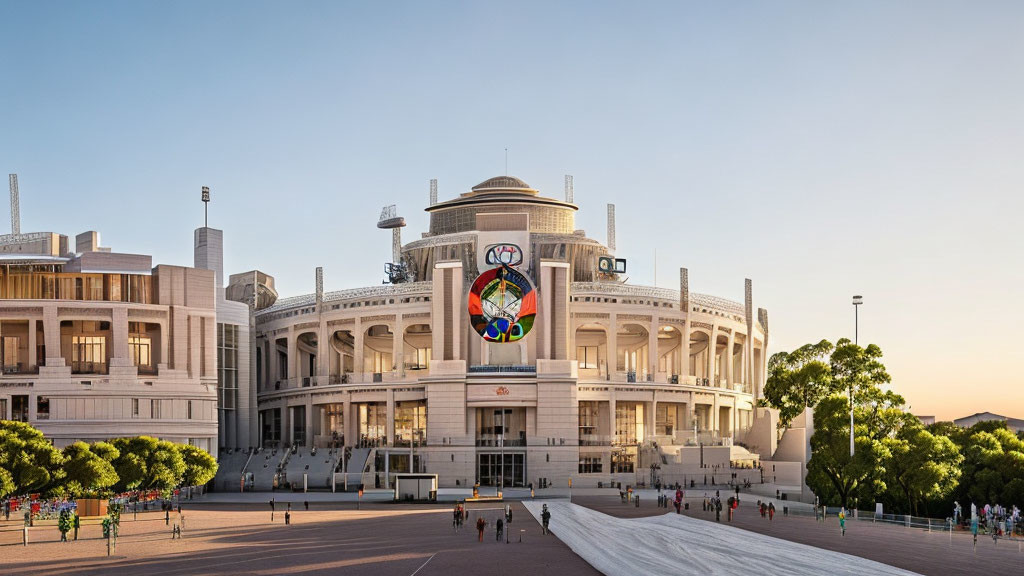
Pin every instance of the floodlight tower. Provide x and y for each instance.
(15, 206)
(390, 220)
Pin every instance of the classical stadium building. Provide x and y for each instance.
(506, 351)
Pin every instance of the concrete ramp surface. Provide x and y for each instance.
(674, 544)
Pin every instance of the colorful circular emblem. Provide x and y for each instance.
(502, 305)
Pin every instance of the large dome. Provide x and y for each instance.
(503, 183)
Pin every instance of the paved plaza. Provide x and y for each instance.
(378, 540)
(232, 534)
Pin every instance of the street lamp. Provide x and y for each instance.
(857, 301)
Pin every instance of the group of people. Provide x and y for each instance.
(460, 514)
(273, 508)
(767, 510)
(994, 520)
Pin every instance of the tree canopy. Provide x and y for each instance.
(30, 463)
(799, 379)
(87, 470)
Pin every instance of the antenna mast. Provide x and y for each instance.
(15, 206)
(206, 206)
(611, 227)
(433, 191)
(568, 188)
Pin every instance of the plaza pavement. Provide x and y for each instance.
(331, 538)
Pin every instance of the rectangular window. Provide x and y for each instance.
(188, 412)
(665, 420)
(586, 357)
(10, 353)
(19, 408)
(42, 408)
(154, 408)
(623, 462)
(589, 411)
(135, 407)
(88, 354)
(3, 408)
(227, 366)
(590, 465)
(141, 349)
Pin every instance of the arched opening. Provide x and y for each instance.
(305, 349)
(280, 367)
(417, 343)
(670, 350)
(343, 353)
(699, 351)
(632, 349)
(592, 351)
(378, 344)
(721, 346)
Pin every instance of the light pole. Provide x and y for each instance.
(857, 301)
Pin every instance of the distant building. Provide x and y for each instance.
(1015, 424)
(97, 344)
(927, 420)
(440, 371)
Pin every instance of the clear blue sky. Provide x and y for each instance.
(821, 148)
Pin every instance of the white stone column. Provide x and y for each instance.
(391, 416)
(357, 355)
(119, 330)
(51, 336)
(652, 347)
(712, 348)
(32, 360)
(293, 354)
(398, 347)
(729, 359)
(309, 420)
(613, 352)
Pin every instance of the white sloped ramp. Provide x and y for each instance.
(673, 544)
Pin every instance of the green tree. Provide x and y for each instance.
(859, 369)
(145, 462)
(200, 466)
(835, 476)
(798, 380)
(86, 470)
(921, 466)
(28, 462)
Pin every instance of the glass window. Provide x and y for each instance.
(19, 408)
(188, 411)
(665, 420)
(10, 353)
(88, 354)
(135, 407)
(586, 356)
(590, 465)
(42, 408)
(410, 423)
(154, 408)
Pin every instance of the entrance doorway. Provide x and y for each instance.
(503, 470)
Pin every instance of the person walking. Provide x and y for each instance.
(545, 518)
(956, 512)
(271, 502)
(974, 529)
(480, 525)
(771, 511)
(508, 515)
(305, 503)
(287, 517)
(842, 520)
(499, 529)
